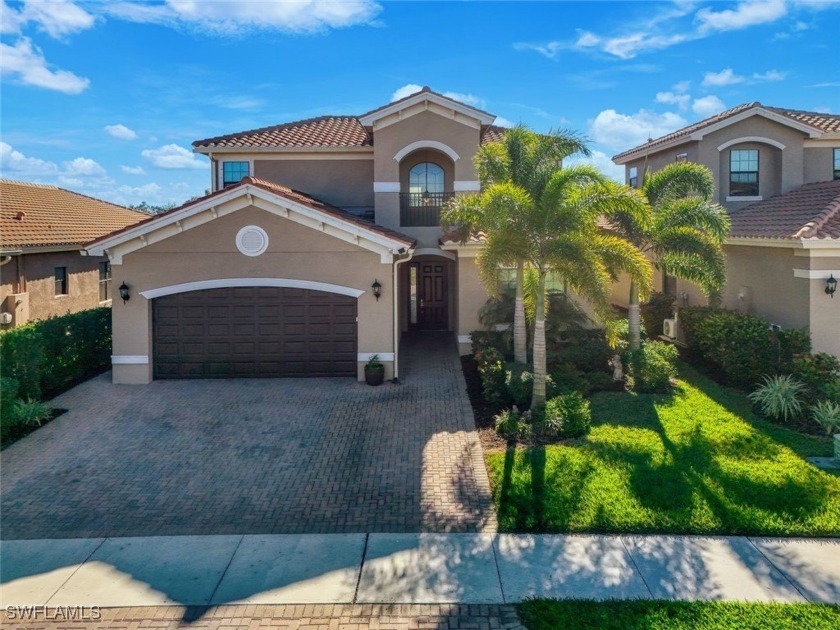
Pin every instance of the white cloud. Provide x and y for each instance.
(708, 106)
(746, 13)
(628, 46)
(682, 86)
(121, 131)
(671, 98)
(233, 17)
(770, 75)
(620, 131)
(406, 90)
(724, 77)
(467, 99)
(84, 167)
(57, 17)
(603, 163)
(501, 121)
(22, 165)
(132, 170)
(10, 20)
(548, 50)
(173, 156)
(27, 64)
(826, 84)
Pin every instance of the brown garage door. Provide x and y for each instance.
(254, 332)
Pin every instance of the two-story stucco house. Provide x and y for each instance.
(318, 246)
(777, 172)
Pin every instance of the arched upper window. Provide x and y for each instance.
(426, 177)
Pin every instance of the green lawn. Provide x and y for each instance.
(648, 615)
(696, 461)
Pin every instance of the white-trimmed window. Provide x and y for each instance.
(233, 172)
(681, 157)
(633, 177)
(743, 173)
(836, 163)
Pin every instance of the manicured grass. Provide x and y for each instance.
(635, 615)
(696, 461)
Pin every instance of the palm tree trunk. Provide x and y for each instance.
(634, 318)
(538, 395)
(520, 334)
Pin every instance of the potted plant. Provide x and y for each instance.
(374, 371)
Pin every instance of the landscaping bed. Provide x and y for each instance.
(19, 431)
(695, 461)
(544, 614)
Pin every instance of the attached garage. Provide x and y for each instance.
(267, 332)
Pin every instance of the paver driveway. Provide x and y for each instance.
(256, 456)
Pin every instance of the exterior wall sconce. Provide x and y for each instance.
(124, 292)
(831, 286)
(377, 289)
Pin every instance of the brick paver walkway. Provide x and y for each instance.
(312, 617)
(256, 456)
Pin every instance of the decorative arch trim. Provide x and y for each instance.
(433, 251)
(225, 283)
(427, 144)
(758, 139)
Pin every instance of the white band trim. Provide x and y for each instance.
(224, 283)
(756, 139)
(816, 274)
(464, 339)
(386, 187)
(466, 186)
(426, 144)
(129, 359)
(383, 356)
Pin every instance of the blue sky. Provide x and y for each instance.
(105, 98)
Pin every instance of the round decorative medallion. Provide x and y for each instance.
(252, 240)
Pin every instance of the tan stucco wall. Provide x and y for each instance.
(209, 252)
(819, 162)
(825, 311)
(39, 274)
(343, 183)
(471, 297)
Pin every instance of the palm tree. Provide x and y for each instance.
(560, 232)
(684, 234)
(523, 160)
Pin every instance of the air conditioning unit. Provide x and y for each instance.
(5, 318)
(669, 328)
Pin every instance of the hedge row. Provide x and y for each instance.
(48, 356)
(741, 347)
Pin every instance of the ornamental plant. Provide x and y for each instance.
(779, 397)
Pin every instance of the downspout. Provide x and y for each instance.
(396, 379)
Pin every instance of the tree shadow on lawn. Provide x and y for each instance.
(686, 470)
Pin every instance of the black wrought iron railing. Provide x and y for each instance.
(422, 209)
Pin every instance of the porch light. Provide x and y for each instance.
(831, 286)
(124, 292)
(377, 289)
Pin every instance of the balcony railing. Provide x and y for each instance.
(422, 209)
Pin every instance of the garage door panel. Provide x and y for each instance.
(254, 331)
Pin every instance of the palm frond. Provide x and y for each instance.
(695, 213)
(677, 180)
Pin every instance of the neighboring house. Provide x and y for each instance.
(42, 271)
(318, 246)
(777, 172)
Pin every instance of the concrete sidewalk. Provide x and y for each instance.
(412, 569)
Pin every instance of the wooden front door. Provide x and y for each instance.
(433, 294)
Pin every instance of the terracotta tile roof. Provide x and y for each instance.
(324, 131)
(293, 195)
(454, 238)
(821, 122)
(492, 133)
(810, 211)
(34, 215)
(428, 90)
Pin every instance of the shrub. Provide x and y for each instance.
(508, 423)
(652, 367)
(492, 372)
(827, 415)
(30, 412)
(564, 416)
(567, 378)
(48, 356)
(519, 381)
(600, 382)
(483, 340)
(659, 307)
(779, 397)
(587, 352)
(819, 373)
(8, 397)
